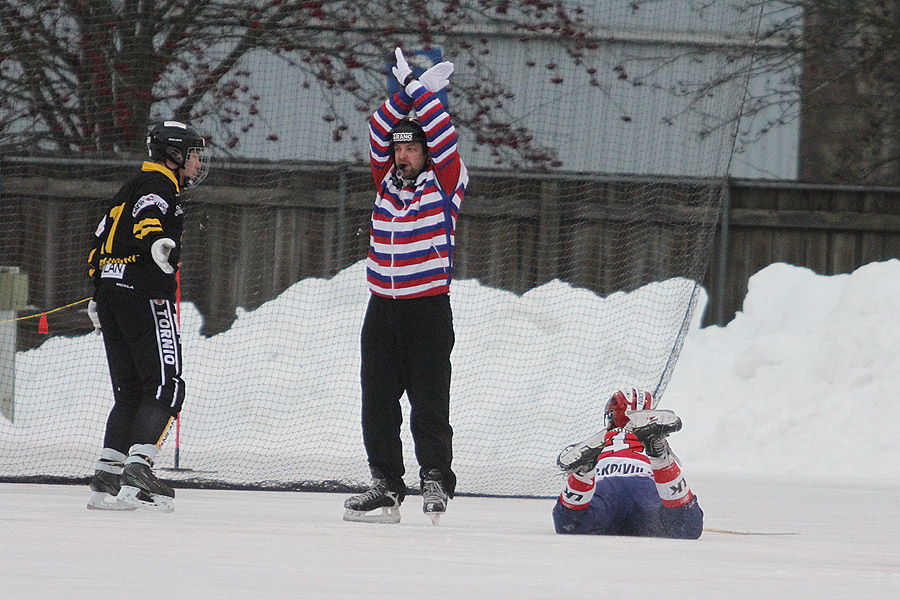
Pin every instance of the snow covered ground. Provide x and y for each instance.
(790, 428)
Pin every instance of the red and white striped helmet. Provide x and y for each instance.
(623, 401)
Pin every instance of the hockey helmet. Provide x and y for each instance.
(408, 130)
(176, 141)
(624, 401)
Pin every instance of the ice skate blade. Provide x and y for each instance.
(387, 515)
(131, 495)
(570, 456)
(98, 501)
(435, 518)
(663, 419)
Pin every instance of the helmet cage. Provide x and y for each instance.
(624, 401)
(175, 141)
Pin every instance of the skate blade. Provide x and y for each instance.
(104, 501)
(130, 495)
(571, 455)
(666, 419)
(435, 518)
(387, 515)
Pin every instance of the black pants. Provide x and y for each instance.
(143, 349)
(406, 346)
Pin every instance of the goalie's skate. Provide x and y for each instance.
(104, 487)
(582, 457)
(434, 498)
(652, 427)
(364, 508)
(141, 489)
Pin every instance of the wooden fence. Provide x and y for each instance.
(256, 229)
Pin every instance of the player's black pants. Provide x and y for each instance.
(406, 346)
(143, 349)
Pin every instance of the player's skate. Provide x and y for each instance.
(434, 498)
(652, 427)
(582, 457)
(141, 488)
(104, 487)
(360, 508)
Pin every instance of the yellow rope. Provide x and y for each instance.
(37, 315)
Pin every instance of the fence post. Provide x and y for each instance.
(724, 242)
(548, 232)
(13, 297)
(342, 225)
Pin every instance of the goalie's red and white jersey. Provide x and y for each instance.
(623, 456)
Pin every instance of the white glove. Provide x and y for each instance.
(437, 77)
(92, 313)
(402, 70)
(160, 252)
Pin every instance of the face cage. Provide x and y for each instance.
(609, 414)
(202, 171)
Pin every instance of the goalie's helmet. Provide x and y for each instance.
(624, 401)
(176, 141)
(408, 130)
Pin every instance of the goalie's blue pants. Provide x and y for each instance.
(630, 506)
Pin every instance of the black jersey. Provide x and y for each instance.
(145, 209)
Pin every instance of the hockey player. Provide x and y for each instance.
(133, 263)
(625, 480)
(407, 335)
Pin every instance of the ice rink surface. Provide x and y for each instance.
(826, 539)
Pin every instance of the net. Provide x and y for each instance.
(596, 176)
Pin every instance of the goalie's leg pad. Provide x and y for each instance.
(670, 483)
(578, 491)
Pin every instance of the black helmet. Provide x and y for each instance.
(175, 141)
(408, 130)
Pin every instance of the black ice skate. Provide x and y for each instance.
(141, 488)
(581, 458)
(360, 507)
(652, 427)
(434, 498)
(105, 486)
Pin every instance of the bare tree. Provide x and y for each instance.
(84, 75)
(832, 64)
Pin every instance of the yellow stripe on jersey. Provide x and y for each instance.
(164, 434)
(147, 226)
(115, 213)
(152, 166)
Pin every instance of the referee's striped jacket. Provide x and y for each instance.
(412, 232)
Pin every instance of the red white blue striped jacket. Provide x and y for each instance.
(411, 239)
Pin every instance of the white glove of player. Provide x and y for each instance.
(160, 250)
(402, 70)
(92, 313)
(437, 77)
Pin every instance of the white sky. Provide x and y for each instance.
(790, 427)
